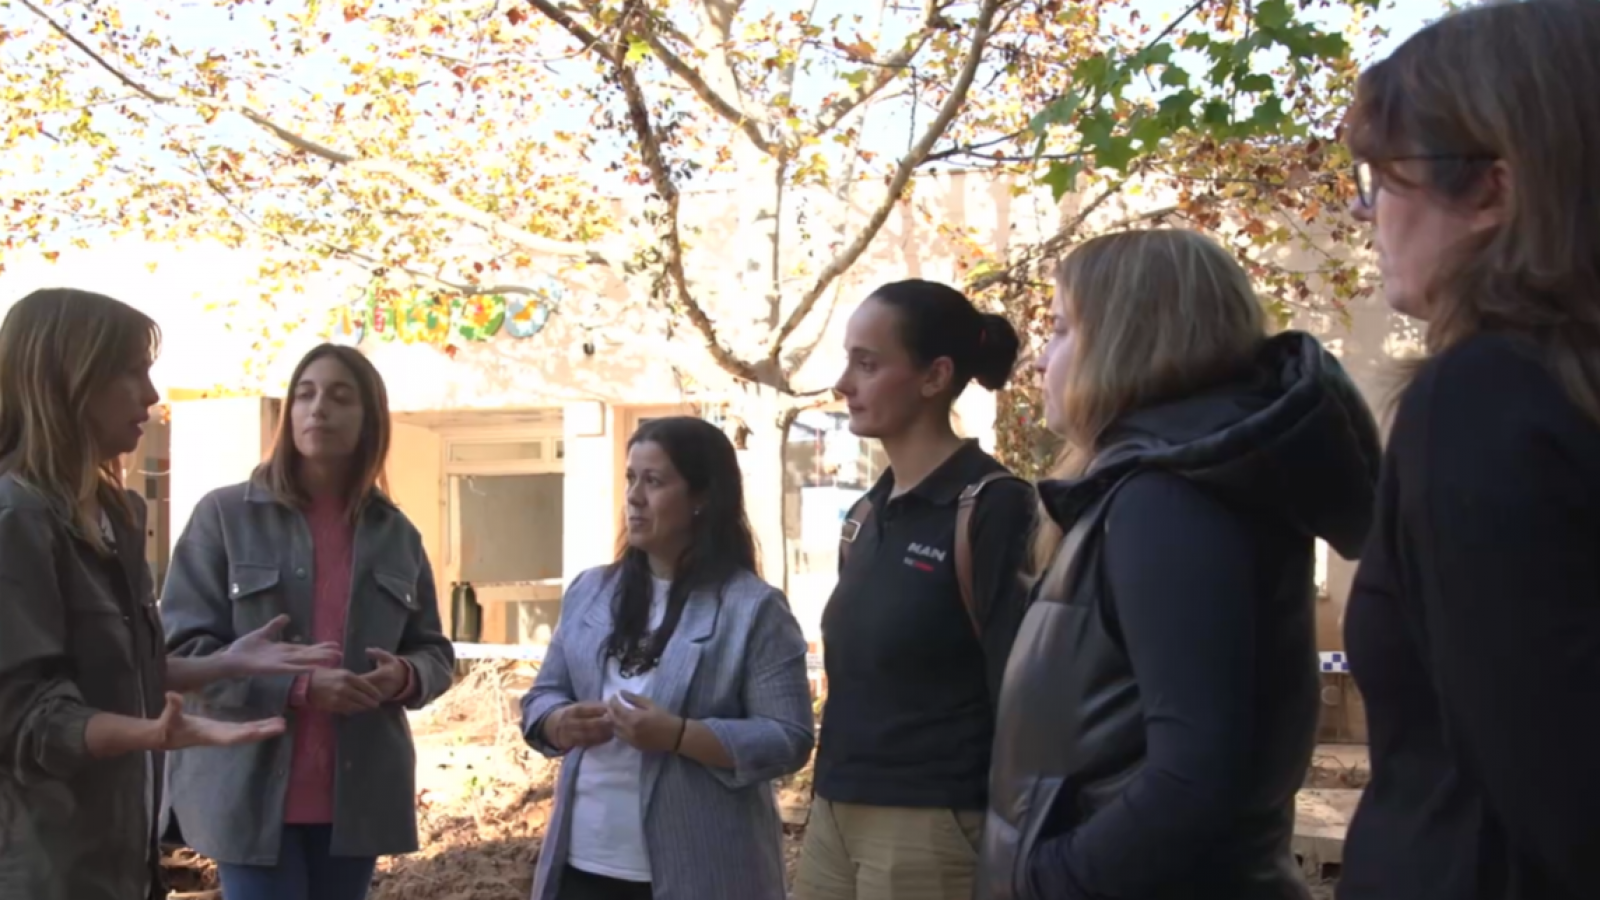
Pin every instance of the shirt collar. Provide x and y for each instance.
(944, 484)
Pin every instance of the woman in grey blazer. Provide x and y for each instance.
(675, 689)
(310, 535)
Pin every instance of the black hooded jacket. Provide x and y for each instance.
(1160, 703)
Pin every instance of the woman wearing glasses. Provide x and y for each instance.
(1474, 624)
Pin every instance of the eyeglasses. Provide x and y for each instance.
(1367, 177)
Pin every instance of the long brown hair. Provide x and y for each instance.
(60, 347)
(280, 472)
(1155, 315)
(1518, 85)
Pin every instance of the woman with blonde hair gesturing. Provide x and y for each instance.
(84, 712)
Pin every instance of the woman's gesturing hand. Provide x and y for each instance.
(261, 653)
(578, 725)
(641, 724)
(176, 729)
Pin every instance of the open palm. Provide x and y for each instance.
(177, 729)
(261, 653)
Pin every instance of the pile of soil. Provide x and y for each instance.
(484, 798)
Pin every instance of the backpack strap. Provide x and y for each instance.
(964, 508)
(854, 521)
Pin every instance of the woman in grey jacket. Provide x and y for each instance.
(675, 687)
(313, 536)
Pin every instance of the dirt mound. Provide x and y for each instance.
(484, 798)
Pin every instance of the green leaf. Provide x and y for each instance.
(1062, 177)
(1096, 127)
(1330, 46)
(857, 78)
(1178, 109)
(1273, 14)
(1115, 153)
(1196, 40)
(1150, 131)
(1153, 55)
(1268, 114)
(1257, 83)
(1217, 112)
(1175, 76)
(1058, 113)
(1093, 73)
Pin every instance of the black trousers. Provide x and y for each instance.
(577, 884)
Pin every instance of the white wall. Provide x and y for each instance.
(416, 484)
(214, 443)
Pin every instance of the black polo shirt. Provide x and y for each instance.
(910, 711)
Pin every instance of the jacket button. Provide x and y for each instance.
(234, 590)
(300, 573)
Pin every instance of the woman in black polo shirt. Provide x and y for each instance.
(918, 628)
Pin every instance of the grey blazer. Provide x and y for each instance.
(736, 663)
(243, 559)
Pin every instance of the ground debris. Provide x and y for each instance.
(484, 798)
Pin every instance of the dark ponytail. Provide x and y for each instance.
(936, 320)
(998, 347)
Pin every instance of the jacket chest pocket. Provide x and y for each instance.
(257, 594)
(390, 610)
(105, 649)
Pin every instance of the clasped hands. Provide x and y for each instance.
(628, 717)
(343, 692)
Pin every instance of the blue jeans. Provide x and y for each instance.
(304, 871)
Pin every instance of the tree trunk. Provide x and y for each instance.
(762, 465)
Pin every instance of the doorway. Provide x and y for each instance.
(505, 532)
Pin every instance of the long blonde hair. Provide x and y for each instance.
(58, 348)
(1155, 315)
(1516, 84)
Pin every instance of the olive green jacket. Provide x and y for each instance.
(79, 634)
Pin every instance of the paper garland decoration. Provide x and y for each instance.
(419, 317)
(424, 319)
(479, 318)
(350, 317)
(381, 317)
(526, 316)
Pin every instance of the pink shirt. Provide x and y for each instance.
(316, 738)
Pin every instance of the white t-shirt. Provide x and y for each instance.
(608, 803)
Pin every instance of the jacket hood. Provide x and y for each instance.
(1293, 437)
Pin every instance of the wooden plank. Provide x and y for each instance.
(1322, 818)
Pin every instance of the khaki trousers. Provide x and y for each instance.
(888, 853)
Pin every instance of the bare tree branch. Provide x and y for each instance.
(671, 239)
(437, 194)
(888, 69)
(1067, 234)
(734, 112)
(973, 148)
(848, 255)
